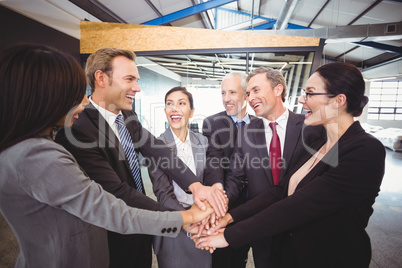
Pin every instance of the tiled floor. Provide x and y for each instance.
(385, 225)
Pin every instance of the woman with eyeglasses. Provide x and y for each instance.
(56, 212)
(327, 200)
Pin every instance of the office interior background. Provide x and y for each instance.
(366, 33)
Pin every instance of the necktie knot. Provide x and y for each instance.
(119, 120)
(240, 123)
(272, 125)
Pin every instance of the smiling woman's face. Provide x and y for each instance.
(319, 108)
(177, 110)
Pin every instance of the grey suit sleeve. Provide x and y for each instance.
(49, 174)
(101, 168)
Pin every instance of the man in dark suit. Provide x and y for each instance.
(266, 91)
(221, 131)
(109, 156)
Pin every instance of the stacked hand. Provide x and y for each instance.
(211, 242)
(215, 195)
(195, 214)
(208, 232)
(211, 237)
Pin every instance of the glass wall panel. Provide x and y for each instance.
(202, 73)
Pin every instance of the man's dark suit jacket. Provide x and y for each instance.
(221, 132)
(323, 223)
(99, 152)
(250, 161)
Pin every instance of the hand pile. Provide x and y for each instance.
(208, 233)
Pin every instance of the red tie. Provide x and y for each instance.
(275, 154)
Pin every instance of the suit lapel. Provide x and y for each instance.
(293, 129)
(228, 123)
(107, 138)
(168, 138)
(253, 118)
(319, 169)
(198, 150)
(258, 136)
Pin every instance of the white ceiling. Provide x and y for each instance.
(65, 16)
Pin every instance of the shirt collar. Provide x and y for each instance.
(108, 115)
(281, 121)
(178, 141)
(245, 119)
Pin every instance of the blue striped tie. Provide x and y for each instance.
(129, 150)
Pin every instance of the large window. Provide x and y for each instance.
(385, 100)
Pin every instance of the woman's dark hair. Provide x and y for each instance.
(184, 91)
(344, 78)
(38, 87)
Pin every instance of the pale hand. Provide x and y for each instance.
(215, 196)
(212, 241)
(219, 224)
(195, 214)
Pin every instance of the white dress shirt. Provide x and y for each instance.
(185, 153)
(280, 129)
(109, 117)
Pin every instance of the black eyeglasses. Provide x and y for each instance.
(306, 94)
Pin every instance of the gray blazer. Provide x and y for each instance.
(162, 183)
(50, 204)
(165, 248)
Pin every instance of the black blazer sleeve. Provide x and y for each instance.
(96, 163)
(213, 172)
(236, 178)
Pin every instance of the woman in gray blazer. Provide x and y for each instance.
(191, 148)
(53, 208)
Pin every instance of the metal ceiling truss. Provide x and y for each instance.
(98, 10)
(204, 17)
(264, 26)
(318, 13)
(365, 11)
(247, 5)
(361, 35)
(384, 47)
(155, 9)
(193, 10)
(243, 13)
(285, 14)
